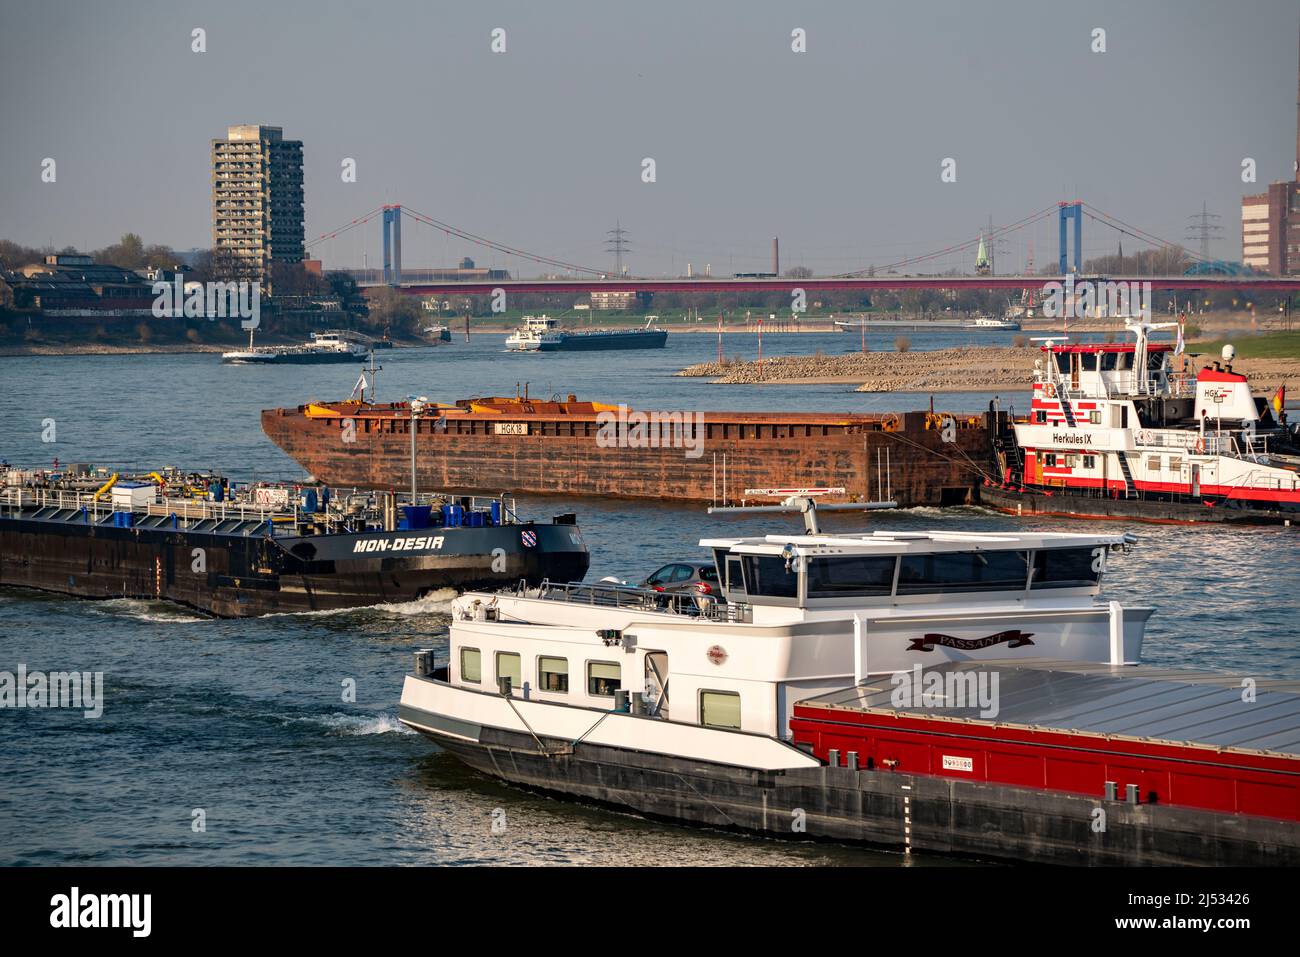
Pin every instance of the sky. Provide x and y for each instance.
(836, 150)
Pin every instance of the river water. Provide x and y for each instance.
(243, 725)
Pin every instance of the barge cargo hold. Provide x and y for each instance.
(593, 449)
(1013, 789)
(244, 558)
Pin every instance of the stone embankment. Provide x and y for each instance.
(942, 370)
(979, 369)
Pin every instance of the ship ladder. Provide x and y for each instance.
(1130, 486)
(1065, 407)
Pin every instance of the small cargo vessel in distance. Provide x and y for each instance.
(1114, 431)
(544, 334)
(234, 550)
(330, 346)
(993, 324)
(765, 706)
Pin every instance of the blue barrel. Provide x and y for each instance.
(453, 515)
(324, 498)
(496, 513)
(477, 519)
(416, 516)
(309, 501)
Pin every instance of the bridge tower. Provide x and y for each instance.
(1070, 211)
(393, 245)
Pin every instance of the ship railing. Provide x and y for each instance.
(610, 595)
(1269, 480)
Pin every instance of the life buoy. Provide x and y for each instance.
(1200, 446)
(1050, 390)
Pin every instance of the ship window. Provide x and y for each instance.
(767, 576)
(553, 674)
(1095, 416)
(1090, 461)
(1153, 463)
(471, 665)
(1040, 416)
(1049, 459)
(603, 678)
(962, 571)
(508, 667)
(720, 709)
(735, 578)
(855, 575)
(1066, 568)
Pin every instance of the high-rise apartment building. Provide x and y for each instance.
(1270, 221)
(257, 200)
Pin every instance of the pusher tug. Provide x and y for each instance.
(1115, 431)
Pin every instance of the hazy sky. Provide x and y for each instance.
(836, 150)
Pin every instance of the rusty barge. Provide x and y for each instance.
(575, 448)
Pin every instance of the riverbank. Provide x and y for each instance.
(971, 369)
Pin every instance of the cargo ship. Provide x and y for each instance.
(951, 692)
(1115, 431)
(543, 334)
(331, 346)
(235, 550)
(572, 448)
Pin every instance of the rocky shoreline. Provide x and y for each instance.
(972, 369)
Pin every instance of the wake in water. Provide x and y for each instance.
(437, 602)
(348, 725)
(143, 610)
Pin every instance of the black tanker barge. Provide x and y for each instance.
(237, 551)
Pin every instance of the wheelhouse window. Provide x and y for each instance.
(735, 577)
(603, 678)
(508, 666)
(720, 709)
(1067, 567)
(553, 674)
(471, 665)
(850, 575)
(962, 571)
(767, 575)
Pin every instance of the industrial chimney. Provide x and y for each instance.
(776, 243)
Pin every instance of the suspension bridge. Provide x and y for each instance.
(913, 272)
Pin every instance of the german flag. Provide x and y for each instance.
(1279, 400)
